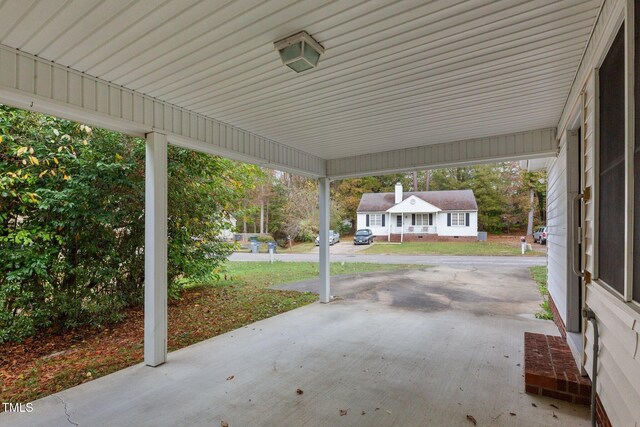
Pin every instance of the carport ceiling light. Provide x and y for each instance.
(300, 52)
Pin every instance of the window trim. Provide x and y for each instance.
(375, 217)
(420, 219)
(456, 222)
(626, 296)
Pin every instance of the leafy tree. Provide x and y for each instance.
(72, 221)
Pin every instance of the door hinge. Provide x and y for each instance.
(587, 277)
(587, 194)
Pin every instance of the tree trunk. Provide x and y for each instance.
(244, 217)
(531, 208)
(415, 180)
(266, 217)
(262, 212)
(427, 179)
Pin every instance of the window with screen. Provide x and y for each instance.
(423, 219)
(611, 173)
(457, 219)
(375, 220)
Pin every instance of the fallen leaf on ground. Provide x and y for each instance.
(534, 405)
(224, 424)
(343, 412)
(553, 406)
(299, 391)
(363, 412)
(554, 415)
(231, 377)
(513, 414)
(472, 420)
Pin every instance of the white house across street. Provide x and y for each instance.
(419, 216)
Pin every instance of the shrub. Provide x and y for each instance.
(72, 222)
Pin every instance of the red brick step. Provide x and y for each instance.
(550, 370)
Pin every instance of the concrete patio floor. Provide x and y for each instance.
(411, 348)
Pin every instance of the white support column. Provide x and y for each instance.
(155, 251)
(325, 203)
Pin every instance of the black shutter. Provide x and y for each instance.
(383, 217)
(448, 220)
(466, 220)
(430, 219)
(367, 220)
(413, 219)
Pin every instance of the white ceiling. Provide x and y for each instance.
(396, 74)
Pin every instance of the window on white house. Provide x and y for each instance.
(375, 220)
(422, 219)
(457, 219)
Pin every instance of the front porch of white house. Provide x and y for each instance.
(399, 86)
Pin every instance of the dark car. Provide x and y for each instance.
(364, 236)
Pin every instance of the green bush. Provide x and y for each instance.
(72, 222)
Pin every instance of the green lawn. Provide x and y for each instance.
(539, 274)
(446, 248)
(264, 274)
(298, 248)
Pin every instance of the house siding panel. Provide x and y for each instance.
(619, 354)
(557, 230)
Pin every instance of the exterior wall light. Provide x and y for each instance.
(300, 52)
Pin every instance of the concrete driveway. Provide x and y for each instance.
(431, 347)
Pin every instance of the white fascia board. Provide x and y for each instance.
(419, 206)
(531, 144)
(35, 84)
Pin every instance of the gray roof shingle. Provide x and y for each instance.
(448, 200)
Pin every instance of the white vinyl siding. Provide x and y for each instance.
(378, 230)
(557, 230)
(449, 230)
(619, 322)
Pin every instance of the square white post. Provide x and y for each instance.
(155, 251)
(325, 202)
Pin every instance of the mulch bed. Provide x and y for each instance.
(48, 363)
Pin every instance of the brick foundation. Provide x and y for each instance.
(420, 237)
(557, 319)
(550, 370)
(602, 420)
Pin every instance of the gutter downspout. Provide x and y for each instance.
(590, 315)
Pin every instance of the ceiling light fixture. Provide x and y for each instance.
(300, 52)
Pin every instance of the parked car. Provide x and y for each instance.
(364, 236)
(540, 235)
(334, 237)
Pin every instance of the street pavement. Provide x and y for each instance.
(497, 261)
